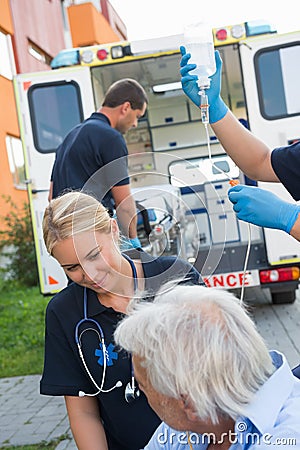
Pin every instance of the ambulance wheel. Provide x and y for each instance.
(280, 298)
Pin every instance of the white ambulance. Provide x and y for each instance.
(169, 160)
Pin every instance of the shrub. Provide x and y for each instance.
(17, 245)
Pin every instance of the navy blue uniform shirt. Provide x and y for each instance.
(286, 164)
(92, 157)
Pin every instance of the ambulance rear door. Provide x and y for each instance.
(49, 105)
(271, 67)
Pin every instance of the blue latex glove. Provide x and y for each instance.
(135, 242)
(217, 108)
(263, 208)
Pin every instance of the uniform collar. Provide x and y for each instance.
(94, 307)
(100, 116)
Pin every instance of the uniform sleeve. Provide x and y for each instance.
(286, 164)
(176, 269)
(195, 277)
(183, 269)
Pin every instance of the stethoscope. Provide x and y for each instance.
(131, 390)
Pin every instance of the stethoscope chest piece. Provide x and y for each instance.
(132, 392)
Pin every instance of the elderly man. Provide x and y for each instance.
(208, 374)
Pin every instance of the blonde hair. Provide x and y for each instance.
(73, 213)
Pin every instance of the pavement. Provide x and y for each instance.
(26, 417)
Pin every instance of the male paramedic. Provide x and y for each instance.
(252, 156)
(93, 156)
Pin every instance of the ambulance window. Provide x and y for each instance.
(55, 108)
(277, 73)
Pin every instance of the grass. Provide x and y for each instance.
(22, 311)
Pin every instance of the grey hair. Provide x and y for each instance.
(200, 343)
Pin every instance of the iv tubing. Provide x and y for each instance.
(249, 228)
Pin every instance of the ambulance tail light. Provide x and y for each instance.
(119, 51)
(102, 54)
(221, 34)
(279, 275)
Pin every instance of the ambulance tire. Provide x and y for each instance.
(280, 298)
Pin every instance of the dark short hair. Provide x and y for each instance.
(125, 90)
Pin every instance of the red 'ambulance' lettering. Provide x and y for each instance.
(231, 280)
(218, 281)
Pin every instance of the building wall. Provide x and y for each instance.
(41, 23)
(8, 121)
(5, 17)
(99, 30)
(114, 19)
(38, 22)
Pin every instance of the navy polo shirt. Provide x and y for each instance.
(286, 164)
(128, 426)
(92, 157)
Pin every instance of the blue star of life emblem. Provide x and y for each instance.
(110, 354)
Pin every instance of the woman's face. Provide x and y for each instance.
(91, 259)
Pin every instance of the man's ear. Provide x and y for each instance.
(125, 107)
(188, 408)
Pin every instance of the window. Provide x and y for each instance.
(277, 73)
(7, 64)
(16, 161)
(55, 108)
(38, 53)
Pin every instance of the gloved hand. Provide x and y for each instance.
(217, 107)
(263, 208)
(135, 242)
